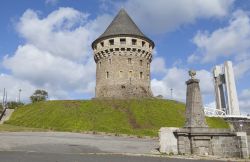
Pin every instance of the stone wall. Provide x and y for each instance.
(204, 141)
(123, 69)
(240, 124)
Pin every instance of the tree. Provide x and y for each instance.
(39, 95)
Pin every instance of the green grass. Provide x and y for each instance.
(13, 128)
(134, 117)
(214, 122)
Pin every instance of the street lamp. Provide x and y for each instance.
(19, 95)
(171, 93)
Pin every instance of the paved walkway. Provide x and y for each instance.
(7, 115)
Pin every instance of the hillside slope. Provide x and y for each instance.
(137, 117)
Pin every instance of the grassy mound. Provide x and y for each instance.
(137, 117)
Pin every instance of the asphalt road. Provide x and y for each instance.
(63, 142)
(47, 157)
(75, 147)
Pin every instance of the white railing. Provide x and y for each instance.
(214, 112)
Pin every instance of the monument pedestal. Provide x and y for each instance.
(196, 138)
(195, 117)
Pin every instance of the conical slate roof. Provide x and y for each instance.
(122, 25)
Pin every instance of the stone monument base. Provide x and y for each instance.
(204, 141)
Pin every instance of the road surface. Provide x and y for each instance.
(76, 147)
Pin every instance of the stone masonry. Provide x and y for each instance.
(123, 55)
(194, 108)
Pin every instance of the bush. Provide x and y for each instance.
(13, 104)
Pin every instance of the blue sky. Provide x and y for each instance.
(46, 44)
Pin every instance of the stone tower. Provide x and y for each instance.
(123, 55)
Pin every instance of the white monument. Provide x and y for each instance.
(225, 89)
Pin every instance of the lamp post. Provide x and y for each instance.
(171, 93)
(19, 95)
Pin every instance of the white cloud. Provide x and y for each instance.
(206, 81)
(12, 86)
(56, 55)
(244, 106)
(175, 78)
(158, 65)
(211, 105)
(232, 40)
(60, 32)
(41, 68)
(242, 68)
(193, 58)
(244, 101)
(245, 94)
(165, 15)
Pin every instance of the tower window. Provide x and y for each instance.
(109, 61)
(143, 43)
(130, 73)
(140, 62)
(129, 60)
(122, 41)
(120, 73)
(134, 41)
(141, 74)
(148, 76)
(100, 64)
(111, 42)
(149, 46)
(102, 44)
(107, 74)
(148, 65)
